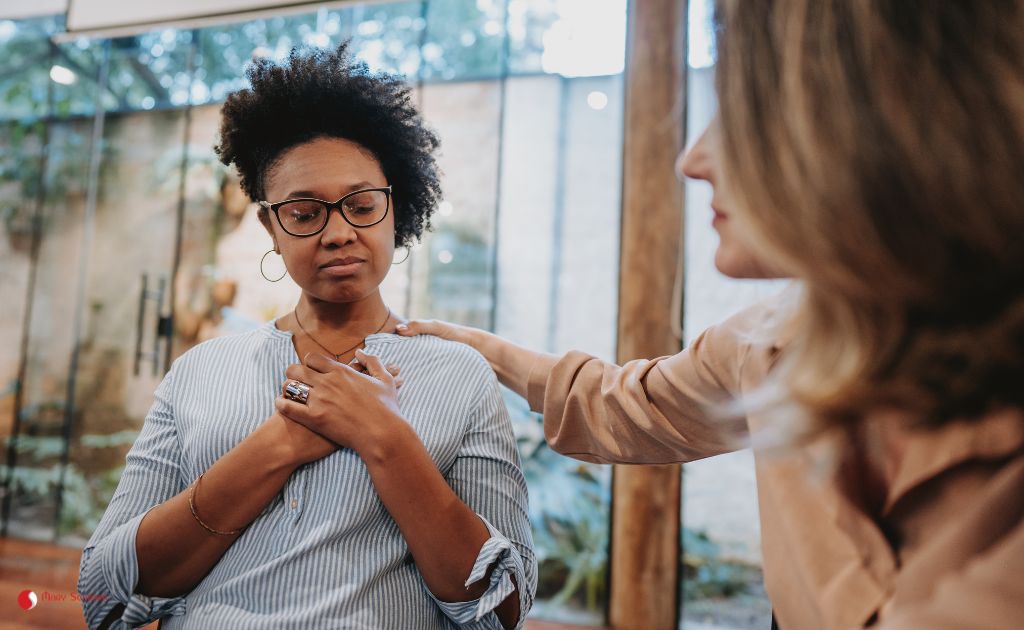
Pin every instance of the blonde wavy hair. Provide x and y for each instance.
(876, 149)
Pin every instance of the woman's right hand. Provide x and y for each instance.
(437, 328)
(301, 445)
(510, 362)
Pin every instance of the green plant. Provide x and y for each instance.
(83, 499)
(569, 509)
(708, 573)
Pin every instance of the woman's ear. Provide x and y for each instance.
(264, 216)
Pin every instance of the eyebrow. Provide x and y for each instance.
(309, 193)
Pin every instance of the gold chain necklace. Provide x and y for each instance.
(337, 357)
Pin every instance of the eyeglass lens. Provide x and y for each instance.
(308, 216)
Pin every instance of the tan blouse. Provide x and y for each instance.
(943, 549)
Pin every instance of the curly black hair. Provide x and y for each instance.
(324, 93)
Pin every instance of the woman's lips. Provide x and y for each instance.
(346, 267)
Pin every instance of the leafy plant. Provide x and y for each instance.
(569, 509)
(708, 573)
(83, 499)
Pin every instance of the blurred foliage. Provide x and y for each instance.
(437, 40)
(25, 60)
(20, 163)
(708, 573)
(570, 512)
(38, 475)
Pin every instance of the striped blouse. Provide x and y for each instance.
(324, 553)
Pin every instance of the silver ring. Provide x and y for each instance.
(297, 391)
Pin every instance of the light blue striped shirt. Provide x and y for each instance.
(324, 553)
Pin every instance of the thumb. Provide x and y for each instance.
(374, 367)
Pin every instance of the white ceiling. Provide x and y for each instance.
(118, 17)
(91, 15)
(18, 9)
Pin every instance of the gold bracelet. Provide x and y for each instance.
(192, 506)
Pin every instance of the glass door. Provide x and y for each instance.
(35, 450)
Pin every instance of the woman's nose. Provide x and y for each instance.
(695, 162)
(338, 230)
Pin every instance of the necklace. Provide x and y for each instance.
(337, 357)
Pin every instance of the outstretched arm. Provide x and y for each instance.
(656, 411)
(510, 362)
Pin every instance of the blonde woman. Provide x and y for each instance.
(873, 150)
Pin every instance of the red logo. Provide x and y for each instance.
(27, 600)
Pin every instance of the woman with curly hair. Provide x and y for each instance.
(269, 491)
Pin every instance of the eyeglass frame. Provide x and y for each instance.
(274, 207)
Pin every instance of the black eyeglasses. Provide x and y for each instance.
(306, 216)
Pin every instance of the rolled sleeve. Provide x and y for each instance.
(488, 477)
(109, 569)
(107, 578)
(497, 552)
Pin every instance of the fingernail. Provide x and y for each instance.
(402, 327)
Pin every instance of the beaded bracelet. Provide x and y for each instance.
(192, 506)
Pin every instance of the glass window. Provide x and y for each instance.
(387, 37)
(76, 77)
(525, 243)
(452, 272)
(151, 71)
(464, 40)
(26, 60)
(21, 150)
(721, 572)
(557, 280)
(127, 273)
(223, 51)
(528, 22)
(40, 444)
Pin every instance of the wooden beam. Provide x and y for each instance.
(646, 499)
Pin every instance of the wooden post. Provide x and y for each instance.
(646, 499)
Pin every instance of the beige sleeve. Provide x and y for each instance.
(647, 411)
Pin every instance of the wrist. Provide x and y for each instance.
(273, 440)
(476, 338)
(390, 438)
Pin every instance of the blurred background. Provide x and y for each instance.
(124, 242)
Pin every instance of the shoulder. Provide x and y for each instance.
(460, 363)
(764, 328)
(239, 346)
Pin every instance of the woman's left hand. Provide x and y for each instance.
(345, 405)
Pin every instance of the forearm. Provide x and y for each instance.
(174, 551)
(510, 362)
(444, 535)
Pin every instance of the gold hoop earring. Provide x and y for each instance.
(408, 252)
(264, 273)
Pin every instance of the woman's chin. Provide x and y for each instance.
(340, 291)
(735, 266)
